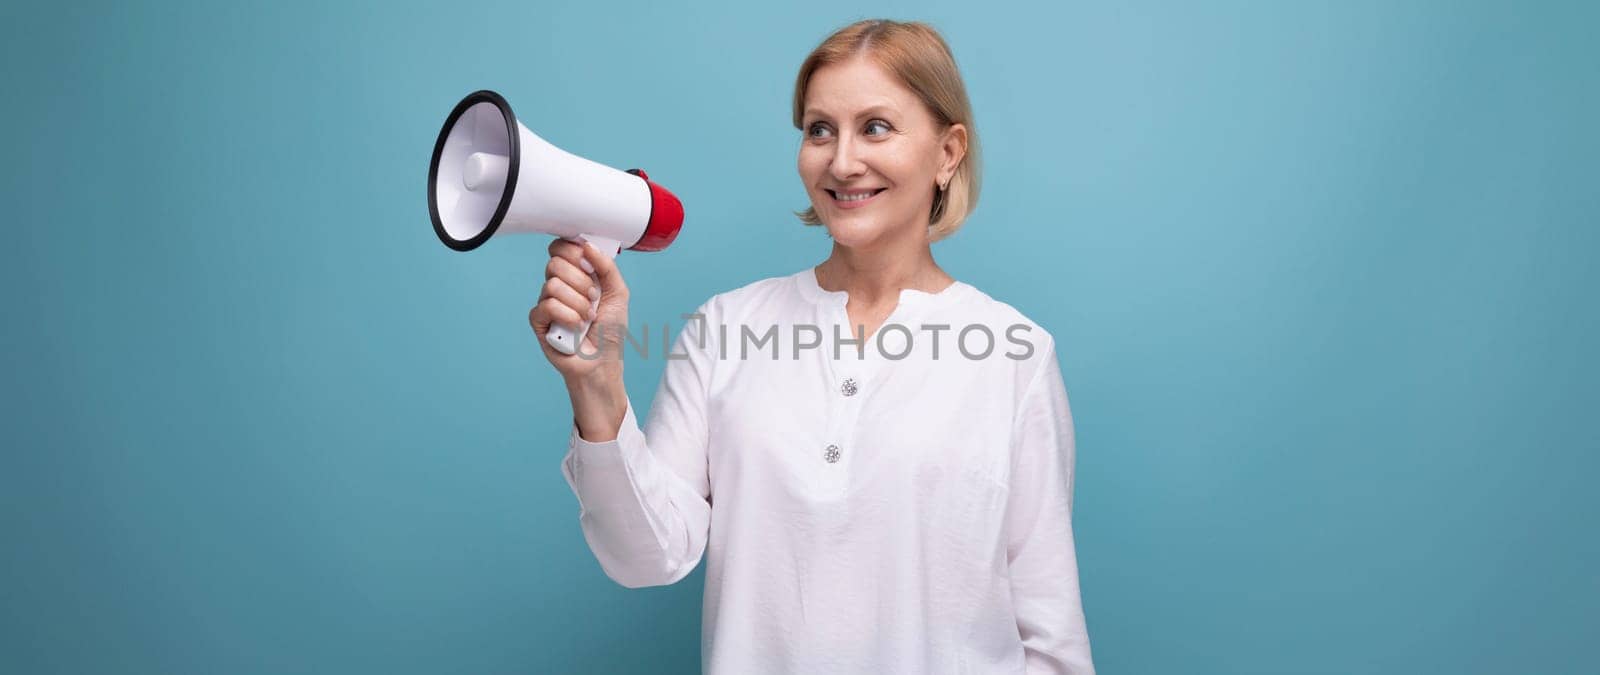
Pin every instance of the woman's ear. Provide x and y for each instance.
(952, 149)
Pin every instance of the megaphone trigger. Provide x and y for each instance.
(607, 247)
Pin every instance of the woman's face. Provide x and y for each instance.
(871, 153)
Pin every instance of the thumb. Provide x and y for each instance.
(605, 271)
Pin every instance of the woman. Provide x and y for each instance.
(896, 500)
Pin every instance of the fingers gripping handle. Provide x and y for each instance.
(564, 338)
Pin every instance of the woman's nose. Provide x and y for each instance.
(846, 164)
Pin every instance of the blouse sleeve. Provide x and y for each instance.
(1040, 553)
(644, 498)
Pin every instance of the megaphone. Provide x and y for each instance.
(490, 175)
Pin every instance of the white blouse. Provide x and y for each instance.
(902, 504)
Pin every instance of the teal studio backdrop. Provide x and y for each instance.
(1321, 273)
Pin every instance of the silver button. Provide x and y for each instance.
(849, 387)
(831, 454)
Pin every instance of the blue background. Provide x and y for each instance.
(1321, 274)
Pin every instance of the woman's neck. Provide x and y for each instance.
(874, 277)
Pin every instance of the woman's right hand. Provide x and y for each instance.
(593, 373)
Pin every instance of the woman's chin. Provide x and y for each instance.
(851, 236)
(852, 231)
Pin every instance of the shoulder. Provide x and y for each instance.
(1006, 321)
(1029, 349)
(756, 292)
(771, 293)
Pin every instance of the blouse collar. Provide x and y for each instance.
(806, 281)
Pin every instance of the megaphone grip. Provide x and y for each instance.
(564, 339)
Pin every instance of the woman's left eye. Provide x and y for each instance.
(878, 124)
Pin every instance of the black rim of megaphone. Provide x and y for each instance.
(480, 96)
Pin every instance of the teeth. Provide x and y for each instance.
(856, 197)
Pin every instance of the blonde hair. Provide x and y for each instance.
(917, 55)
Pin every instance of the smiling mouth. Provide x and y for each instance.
(854, 196)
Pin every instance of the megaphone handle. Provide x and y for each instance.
(564, 339)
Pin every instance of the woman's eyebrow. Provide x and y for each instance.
(876, 110)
